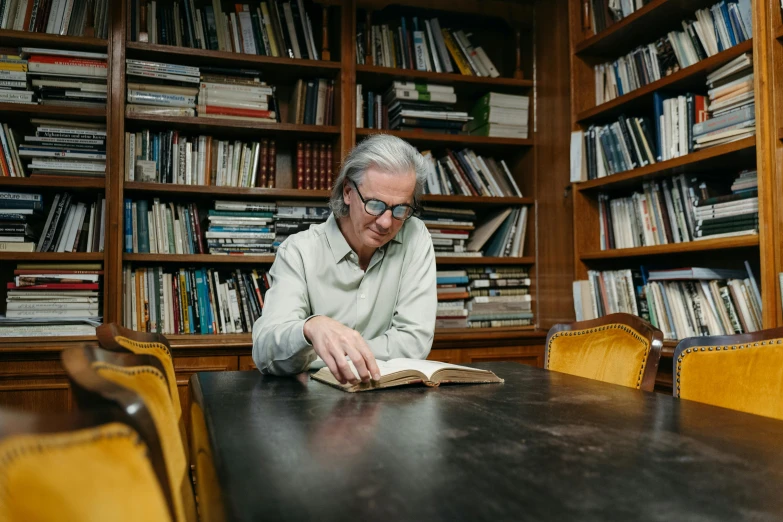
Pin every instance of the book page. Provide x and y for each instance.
(401, 364)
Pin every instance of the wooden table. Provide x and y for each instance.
(541, 446)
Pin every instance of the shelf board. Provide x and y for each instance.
(748, 241)
(186, 55)
(657, 17)
(693, 77)
(72, 182)
(383, 75)
(29, 39)
(65, 257)
(194, 123)
(721, 157)
(460, 260)
(208, 190)
(80, 113)
(447, 139)
(477, 200)
(269, 259)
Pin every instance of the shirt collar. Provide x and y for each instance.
(339, 246)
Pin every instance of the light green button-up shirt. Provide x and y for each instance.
(392, 305)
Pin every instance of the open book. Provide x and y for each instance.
(399, 372)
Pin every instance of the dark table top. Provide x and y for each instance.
(541, 446)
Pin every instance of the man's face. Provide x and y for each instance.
(392, 189)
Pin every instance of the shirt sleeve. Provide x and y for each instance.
(413, 323)
(279, 344)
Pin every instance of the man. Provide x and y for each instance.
(362, 284)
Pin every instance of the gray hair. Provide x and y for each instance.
(383, 152)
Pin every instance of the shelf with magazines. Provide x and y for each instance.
(688, 78)
(731, 155)
(432, 138)
(10, 38)
(749, 241)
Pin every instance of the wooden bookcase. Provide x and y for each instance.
(30, 374)
(644, 26)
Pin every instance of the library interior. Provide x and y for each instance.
(572, 310)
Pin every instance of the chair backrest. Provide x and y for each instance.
(741, 372)
(127, 380)
(116, 338)
(77, 467)
(617, 348)
(208, 491)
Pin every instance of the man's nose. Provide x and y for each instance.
(385, 219)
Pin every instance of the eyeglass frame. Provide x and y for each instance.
(413, 208)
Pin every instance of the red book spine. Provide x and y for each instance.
(322, 166)
(271, 171)
(300, 179)
(62, 60)
(308, 165)
(197, 227)
(175, 303)
(232, 111)
(330, 165)
(54, 271)
(56, 286)
(261, 181)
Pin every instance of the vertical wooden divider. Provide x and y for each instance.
(114, 233)
(347, 78)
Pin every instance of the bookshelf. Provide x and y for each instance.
(718, 163)
(536, 164)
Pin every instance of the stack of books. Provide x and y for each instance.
(724, 25)
(675, 121)
(732, 215)
(268, 28)
(465, 173)
(314, 165)
(13, 81)
(450, 229)
(452, 293)
(499, 296)
(162, 228)
(67, 78)
(732, 108)
(65, 148)
(170, 157)
(625, 144)
(295, 216)
(192, 300)
(500, 116)
(74, 225)
(73, 18)
(235, 94)
(413, 106)
(501, 234)
(423, 46)
(250, 230)
(312, 102)
(17, 211)
(167, 89)
(682, 302)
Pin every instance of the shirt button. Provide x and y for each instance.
(362, 296)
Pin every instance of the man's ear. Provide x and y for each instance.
(346, 193)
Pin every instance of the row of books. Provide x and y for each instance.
(422, 46)
(603, 150)
(716, 29)
(679, 211)
(64, 17)
(483, 297)
(731, 106)
(59, 77)
(49, 300)
(605, 13)
(314, 165)
(73, 224)
(162, 228)
(170, 157)
(465, 173)
(312, 102)
(268, 28)
(192, 300)
(682, 303)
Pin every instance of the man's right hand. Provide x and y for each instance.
(332, 341)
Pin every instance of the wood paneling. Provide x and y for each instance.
(246, 363)
(530, 355)
(35, 386)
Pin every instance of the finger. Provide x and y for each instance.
(369, 359)
(329, 361)
(358, 362)
(343, 366)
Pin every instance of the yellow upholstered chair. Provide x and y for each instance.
(208, 492)
(618, 348)
(115, 338)
(740, 372)
(130, 381)
(77, 468)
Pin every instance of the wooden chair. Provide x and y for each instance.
(86, 466)
(208, 493)
(618, 348)
(741, 372)
(116, 338)
(129, 381)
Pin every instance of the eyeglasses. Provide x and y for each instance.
(376, 207)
